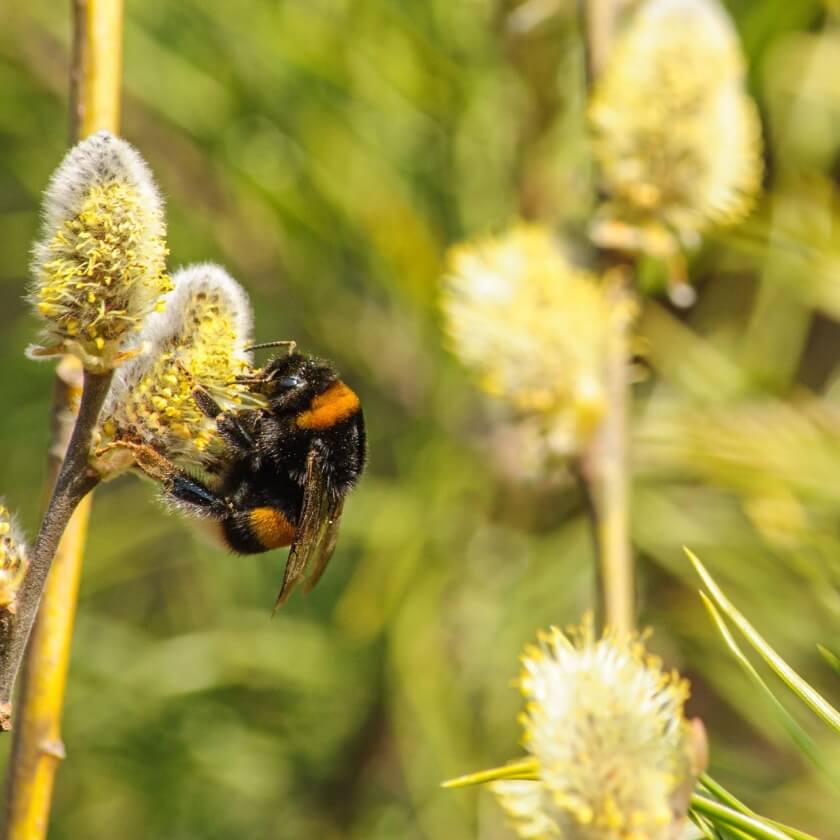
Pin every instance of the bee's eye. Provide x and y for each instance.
(287, 382)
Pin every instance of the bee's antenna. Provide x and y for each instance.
(290, 344)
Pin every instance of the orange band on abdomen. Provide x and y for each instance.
(337, 403)
(270, 527)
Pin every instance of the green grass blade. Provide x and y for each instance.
(829, 656)
(796, 732)
(720, 792)
(702, 825)
(753, 827)
(730, 800)
(525, 769)
(730, 833)
(806, 693)
(793, 833)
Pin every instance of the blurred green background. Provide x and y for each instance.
(327, 152)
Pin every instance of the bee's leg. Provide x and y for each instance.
(195, 496)
(228, 425)
(206, 404)
(144, 457)
(232, 431)
(290, 345)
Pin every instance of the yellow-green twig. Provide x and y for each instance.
(605, 471)
(600, 25)
(97, 66)
(37, 747)
(604, 466)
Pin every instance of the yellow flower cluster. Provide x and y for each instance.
(677, 137)
(100, 267)
(13, 560)
(612, 749)
(198, 341)
(533, 327)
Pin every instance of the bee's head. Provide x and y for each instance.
(291, 381)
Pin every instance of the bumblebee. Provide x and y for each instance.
(285, 469)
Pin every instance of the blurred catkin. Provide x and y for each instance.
(613, 752)
(13, 559)
(99, 267)
(675, 134)
(533, 328)
(198, 340)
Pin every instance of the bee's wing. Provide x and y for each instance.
(325, 546)
(316, 531)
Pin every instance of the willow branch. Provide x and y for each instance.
(604, 469)
(36, 746)
(53, 581)
(75, 481)
(600, 31)
(582, 471)
(614, 501)
(94, 78)
(97, 66)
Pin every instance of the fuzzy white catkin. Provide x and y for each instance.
(613, 750)
(676, 136)
(533, 327)
(13, 557)
(198, 340)
(100, 159)
(99, 267)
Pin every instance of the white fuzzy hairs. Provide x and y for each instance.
(164, 328)
(99, 159)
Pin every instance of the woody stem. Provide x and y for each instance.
(75, 480)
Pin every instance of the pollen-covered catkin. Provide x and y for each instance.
(198, 341)
(613, 751)
(99, 267)
(533, 327)
(675, 134)
(13, 559)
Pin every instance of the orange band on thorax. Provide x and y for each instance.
(337, 403)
